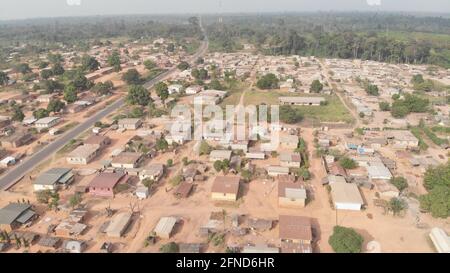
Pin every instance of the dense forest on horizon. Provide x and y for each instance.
(387, 37)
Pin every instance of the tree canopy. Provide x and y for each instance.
(437, 183)
(345, 240)
(268, 81)
(138, 95)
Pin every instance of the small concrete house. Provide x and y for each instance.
(225, 188)
(104, 183)
(290, 160)
(165, 227)
(219, 155)
(153, 171)
(295, 234)
(291, 195)
(53, 179)
(47, 122)
(83, 155)
(275, 171)
(129, 123)
(126, 160)
(346, 196)
(14, 215)
(289, 141)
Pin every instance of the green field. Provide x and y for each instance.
(334, 111)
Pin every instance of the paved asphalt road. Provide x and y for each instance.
(17, 172)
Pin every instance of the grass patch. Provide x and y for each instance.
(417, 132)
(334, 111)
(68, 147)
(69, 126)
(433, 137)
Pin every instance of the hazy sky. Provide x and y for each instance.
(18, 9)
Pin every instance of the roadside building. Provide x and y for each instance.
(346, 196)
(225, 188)
(17, 139)
(295, 233)
(14, 215)
(47, 122)
(83, 155)
(101, 141)
(129, 123)
(53, 179)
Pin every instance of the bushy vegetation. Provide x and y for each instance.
(345, 240)
(437, 183)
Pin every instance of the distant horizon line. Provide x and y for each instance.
(400, 12)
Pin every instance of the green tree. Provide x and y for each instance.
(304, 173)
(348, 163)
(437, 183)
(183, 66)
(345, 240)
(51, 86)
(17, 113)
(137, 94)
(149, 64)
(204, 149)
(218, 165)
(55, 106)
(81, 82)
(290, 115)
(132, 76)
(169, 163)
(316, 86)
(171, 247)
(89, 63)
(23, 68)
(397, 205)
(384, 106)
(75, 200)
(57, 69)
(246, 175)
(200, 74)
(162, 91)
(70, 93)
(372, 90)
(40, 113)
(399, 182)
(3, 78)
(161, 144)
(268, 81)
(114, 61)
(46, 73)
